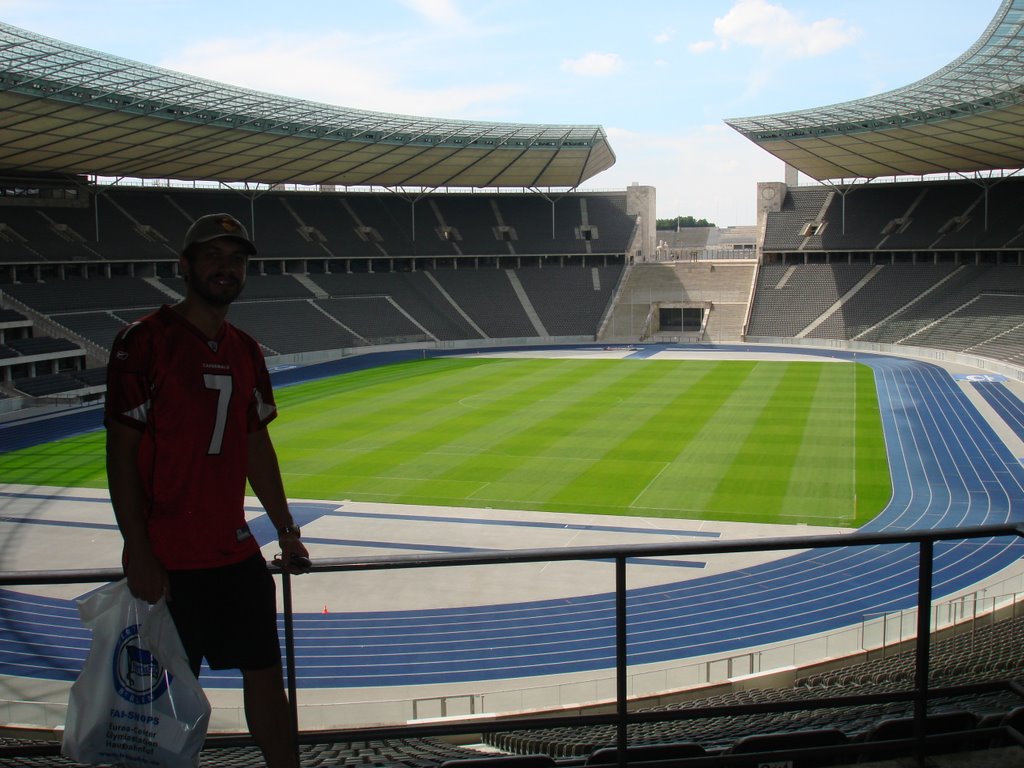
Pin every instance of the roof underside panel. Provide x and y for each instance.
(966, 117)
(65, 109)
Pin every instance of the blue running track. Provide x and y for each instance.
(948, 466)
(1009, 407)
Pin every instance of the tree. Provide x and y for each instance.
(683, 221)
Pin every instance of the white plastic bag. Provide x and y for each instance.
(136, 702)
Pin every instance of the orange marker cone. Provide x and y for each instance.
(325, 611)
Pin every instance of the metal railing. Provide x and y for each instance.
(919, 694)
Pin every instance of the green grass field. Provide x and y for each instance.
(771, 442)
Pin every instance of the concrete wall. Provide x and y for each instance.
(640, 201)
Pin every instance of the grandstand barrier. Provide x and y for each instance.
(323, 356)
(10, 406)
(878, 635)
(483, 345)
(434, 707)
(458, 713)
(938, 356)
(888, 633)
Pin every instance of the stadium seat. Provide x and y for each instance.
(788, 747)
(502, 761)
(646, 752)
(902, 729)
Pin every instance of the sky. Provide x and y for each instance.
(660, 76)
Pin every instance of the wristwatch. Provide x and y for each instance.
(291, 528)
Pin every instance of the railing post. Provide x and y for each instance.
(289, 653)
(621, 658)
(924, 614)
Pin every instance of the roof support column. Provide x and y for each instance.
(413, 199)
(551, 200)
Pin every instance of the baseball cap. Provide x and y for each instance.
(214, 225)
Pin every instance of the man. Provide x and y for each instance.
(188, 403)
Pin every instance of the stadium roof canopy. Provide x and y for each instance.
(65, 109)
(966, 117)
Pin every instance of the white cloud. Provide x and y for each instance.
(594, 64)
(664, 37)
(707, 172)
(701, 46)
(440, 12)
(761, 24)
(342, 70)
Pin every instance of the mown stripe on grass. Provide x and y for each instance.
(821, 485)
(874, 481)
(76, 462)
(557, 436)
(687, 396)
(790, 447)
(648, 437)
(363, 442)
(701, 476)
(446, 425)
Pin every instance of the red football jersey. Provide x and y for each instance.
(196, 400)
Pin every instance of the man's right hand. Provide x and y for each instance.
(147, 579)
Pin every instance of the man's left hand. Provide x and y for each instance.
(294, 557)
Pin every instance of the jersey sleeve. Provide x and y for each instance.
(262, 409)
(128, 377)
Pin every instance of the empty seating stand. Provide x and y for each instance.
(290, 326)
(48, 384)
(569, 300)
(987, 653)
(83, 295)
(640, 753)
(98, 327)
(373, 320)
(800, 749)
(790, 298)
(413, 292)
(890, 288)
(41, 345)
(388, 753)
(909, 217)
(898, 736)
(501, 761)
(800, 207)
(488, 297)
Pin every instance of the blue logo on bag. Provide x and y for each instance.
(138, 675)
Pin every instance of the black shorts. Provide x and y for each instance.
(227, 615)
